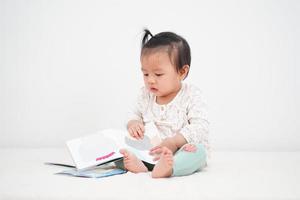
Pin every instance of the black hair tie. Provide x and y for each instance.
(148, 32)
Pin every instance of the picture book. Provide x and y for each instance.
(103, 146)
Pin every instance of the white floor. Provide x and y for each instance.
(230, 175)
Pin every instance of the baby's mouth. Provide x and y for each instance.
(153, 89)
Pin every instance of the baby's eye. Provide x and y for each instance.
(159, 74)
(145, 74)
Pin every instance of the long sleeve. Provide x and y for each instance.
(139, 106)
(197, 129)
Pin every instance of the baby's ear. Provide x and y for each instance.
(184, 71)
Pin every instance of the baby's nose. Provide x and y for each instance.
(151, 79)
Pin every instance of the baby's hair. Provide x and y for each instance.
(176, 46)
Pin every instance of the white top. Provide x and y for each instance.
(185, 114)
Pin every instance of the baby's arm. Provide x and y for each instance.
(172, 143)
(135, 124)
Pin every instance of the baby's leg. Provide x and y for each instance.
(132, 163)
(164, 167)
(189, 159)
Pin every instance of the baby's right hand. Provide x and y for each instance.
(136, 129)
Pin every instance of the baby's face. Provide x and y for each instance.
(160, 75)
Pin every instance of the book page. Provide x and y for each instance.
(92, 150)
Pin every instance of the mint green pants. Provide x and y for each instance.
(185, 163)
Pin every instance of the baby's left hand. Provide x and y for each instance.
(156, 151)
(190, 148)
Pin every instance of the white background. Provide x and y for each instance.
(69, 68)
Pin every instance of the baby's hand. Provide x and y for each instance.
(136, 129)
(190, 148)
(156, 152)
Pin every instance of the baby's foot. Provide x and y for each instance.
(132, 163)
(164, 167)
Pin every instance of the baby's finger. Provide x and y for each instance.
(193, 148)
(156, 151)
(141, 127)
(190, 148)
(156, 147)
(186, 148)
(156, 158)
(130, 132)
(141, 133)
(137, 133)
(133, 134)
(152, 149)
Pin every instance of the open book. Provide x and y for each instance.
(103, 146)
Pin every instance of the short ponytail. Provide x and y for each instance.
(146, 37)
